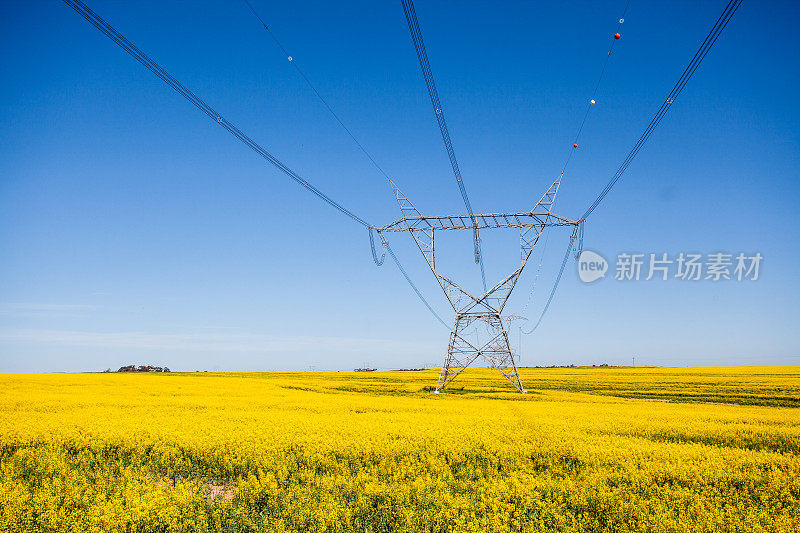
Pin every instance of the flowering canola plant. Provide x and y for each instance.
(600, 450)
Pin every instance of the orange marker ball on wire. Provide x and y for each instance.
(617, 36)
(575, 145)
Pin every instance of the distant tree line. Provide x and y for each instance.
(141, 368)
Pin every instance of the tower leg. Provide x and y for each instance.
(496, 351)
(460, 353)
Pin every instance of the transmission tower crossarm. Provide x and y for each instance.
(528, 219)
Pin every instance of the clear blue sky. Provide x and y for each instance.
(135, 230)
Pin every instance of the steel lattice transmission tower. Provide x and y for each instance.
(487, 308)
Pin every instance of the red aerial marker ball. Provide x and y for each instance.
(575, 145)
(617, 36)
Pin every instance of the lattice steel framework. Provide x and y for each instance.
(488, 307)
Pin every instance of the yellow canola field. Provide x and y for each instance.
(586, 450)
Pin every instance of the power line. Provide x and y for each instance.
(709, 41)
(378, 261)
(109, 31)
(422, 56)
(701, 53)
(414, 287)
(555, 286)
(131, 49)
(293, 61)
(589, 105)
(538, 273)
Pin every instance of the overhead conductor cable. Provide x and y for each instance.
(589, 106)
(293, 61)
(109, 31)
(711, 38)
(422, 56)
(709, 41)
(385, 243)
